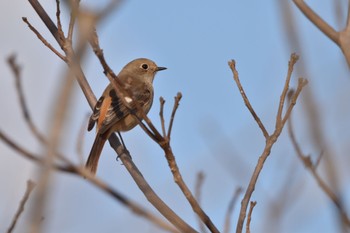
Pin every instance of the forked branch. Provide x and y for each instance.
(270, 140)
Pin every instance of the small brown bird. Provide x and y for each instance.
(111, 115)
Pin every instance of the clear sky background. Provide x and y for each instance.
(213, 131)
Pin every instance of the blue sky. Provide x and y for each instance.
(213, 131)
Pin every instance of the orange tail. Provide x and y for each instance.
(95, 153)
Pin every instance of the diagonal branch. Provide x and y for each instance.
(30, 187)
(318, 21)
(232, 65)
(42, 39)
(306, 160)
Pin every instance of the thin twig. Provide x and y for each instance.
(16, 69)
(176, 105)
(36, 158)
(58, 15)
(42, 39)
(301, 84)
(348, 17)
(198, 196)
(294, 58)
(73, 15)
(230, 208)
(232, 65)
(161, 115)
(252, 205)
(312, 169)
(29, 189)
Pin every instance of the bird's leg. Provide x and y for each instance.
(125, 149)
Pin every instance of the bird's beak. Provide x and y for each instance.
(161, 68)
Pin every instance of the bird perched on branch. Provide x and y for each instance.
(111, 113)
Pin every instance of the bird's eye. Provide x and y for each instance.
(144, 66)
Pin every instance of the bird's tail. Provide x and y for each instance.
(95, 153)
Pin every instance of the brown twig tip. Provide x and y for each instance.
(179, 96)
(11, 60)
(252, 205)
(302, 82)
(232, 64)
(294, 58)
(161, 100)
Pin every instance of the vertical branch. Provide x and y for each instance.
(176, 105)
(161, 115)
(198, 196)
(227, 226)
(252, 205)
(294, 58)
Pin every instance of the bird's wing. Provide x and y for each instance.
(110, 109)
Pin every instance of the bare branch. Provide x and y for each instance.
(227, 226)
(17, 74)
(161, 115)
(57, 34)
(29, 189)
(301, 84)
(73, 15)
(70, 168)
(270, 141)
(151, 196)
(176, 105)
(25, 153)
(293, 59)
(348, 17)
(252, 205)
(232, 65)
(186, 191)
(198, 196)
(312, 169)
(58, 15)
(318, 21)
(42, 39)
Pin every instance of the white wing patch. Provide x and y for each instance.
(128, 99)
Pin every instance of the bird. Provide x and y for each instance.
(110, 113)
